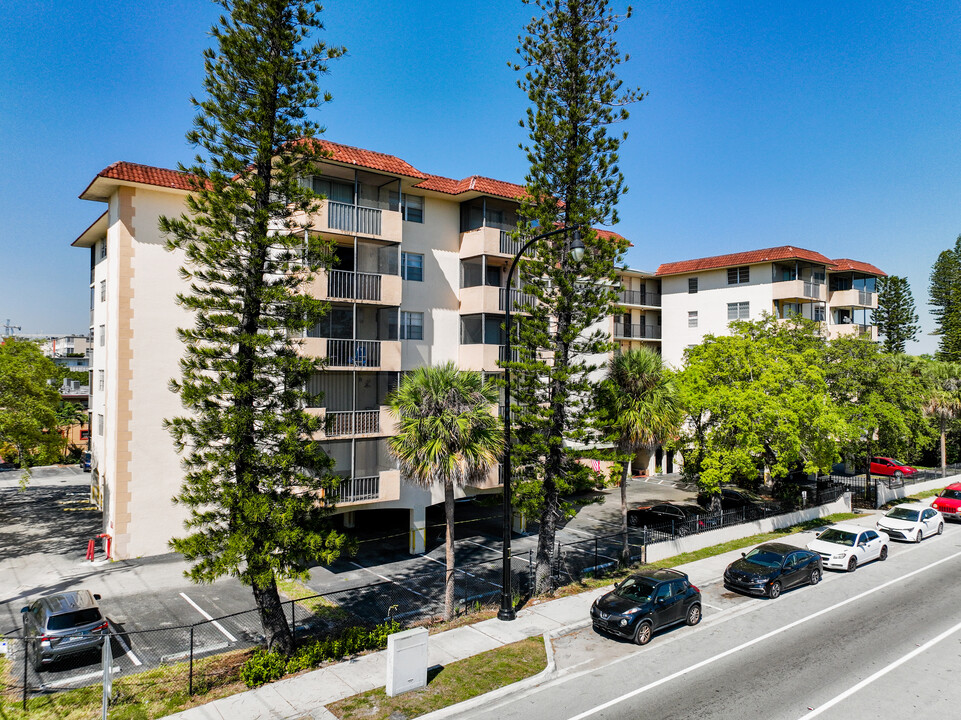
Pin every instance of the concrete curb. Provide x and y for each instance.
(547, 673)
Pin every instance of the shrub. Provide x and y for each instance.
(263, 667)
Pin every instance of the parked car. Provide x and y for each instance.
(85, 462)
(948, 503)
(61, 625)
(684, 519)
(645, 603)
(911, 521)
(772, 567)
(7, 466)
(844, 547)
(735, 498)
(891, 468)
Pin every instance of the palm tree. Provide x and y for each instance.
(639, 409)
(68, 415)
(943, 399)
(447, 433)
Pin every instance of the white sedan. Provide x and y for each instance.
(844, 547)
(911, 521)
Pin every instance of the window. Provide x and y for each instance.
(103, 290)
(99, 424)
(84, 434)
(341, 192)
(103, 248)
(738, 275)
(818, 313)
(91, 297)
(411, 325)
(412, 266)
(692, 318)
(100, 380)
(103, 335)
(692, 285)
(738, 311)
(411, 206)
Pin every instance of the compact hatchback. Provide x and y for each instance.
(891, 468)
(61, 625)
(647, 602)
(948, 503)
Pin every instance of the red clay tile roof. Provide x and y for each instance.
(147, 175)
(785, 252)
(857, 266)
(476, 183)
(369, 159)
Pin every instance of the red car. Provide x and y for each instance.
(891, 468)
(948, 503)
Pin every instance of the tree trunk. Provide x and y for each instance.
(626, 552)
(545, 536)
(944, 450)
(272, 618)
(449, 551)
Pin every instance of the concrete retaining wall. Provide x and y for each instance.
(886, 494)
(661, 550)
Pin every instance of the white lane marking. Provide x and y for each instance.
(476, 577)
(713, 607)
(883, 671)
(127, 651)
(388, 579)
(428, 557)
(755, 641)
(579, 532)
(216, 624)
(486, 547)
(80, 678)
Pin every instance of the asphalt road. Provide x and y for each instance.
(883, 642)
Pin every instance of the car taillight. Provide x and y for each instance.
(694, 588)
(46, 638)
(102, 626)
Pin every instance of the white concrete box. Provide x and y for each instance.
(406, 661)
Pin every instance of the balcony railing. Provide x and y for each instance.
(865, 297)
(639, 297)
(637, 332)
(353, 285)
(353, 218)
(518, 299)
(515, 355)
(359, 488)
(356, 353)
(812, 289)
(510, 244)
(352, 422)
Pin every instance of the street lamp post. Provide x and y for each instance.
(507, 611)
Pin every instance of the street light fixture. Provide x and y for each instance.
(576, 250)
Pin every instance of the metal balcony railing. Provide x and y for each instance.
(519, 299)
(353, 218)
(510, 244)
(359, 488)
(637, 331)
(865, 297)
(812, 289)
(353, 353)
(352, 422)
(639, 297)
(353, 285)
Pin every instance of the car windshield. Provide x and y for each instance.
(838, 537)
(951, 494)
(764, 557)
(902, 513)
(68, 620)
(635, 589)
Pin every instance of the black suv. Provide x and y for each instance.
(647, 602)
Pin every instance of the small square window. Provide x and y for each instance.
(692, 285)
(739, 275)
(738, 311)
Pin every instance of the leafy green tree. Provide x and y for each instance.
(758, 399)
(945, 301)
(895, 315)
(569, 59)
(639, 409)
(257, 486)
(447, 433)
(943, 384)
(68, 415)
(28, 403)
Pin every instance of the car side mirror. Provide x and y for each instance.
(96, 596)
(743, 555)
(24, 609)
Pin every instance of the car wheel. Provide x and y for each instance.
(644, 632)
(815, 577)
(898, 475)
(884, 553)
(940, 528)
(694, 614)
(683, 532)
(852, 564)
(632, 520)
(918, 537)
(36, 661)
(774, 591)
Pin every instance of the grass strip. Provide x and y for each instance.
(450, 684)
(307, 598)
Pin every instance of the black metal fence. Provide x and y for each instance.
(864, 492)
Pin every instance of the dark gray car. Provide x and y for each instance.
(61, 625)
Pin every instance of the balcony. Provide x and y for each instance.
(854, 298)
(490, 299)
(794, 289)
(361, 287)
(853, 330)
(382, 487)
(354, 354)
(354, 423)
(639, 297)
(356, 220)
(490, 241)
(624, 331)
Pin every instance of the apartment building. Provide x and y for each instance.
(419, 279)
(700, 297)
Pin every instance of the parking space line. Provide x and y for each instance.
(880, 673)
(126, 649)
(389, 580)
(578, 532)
(80, 678)
(486, 547)
(216, 624)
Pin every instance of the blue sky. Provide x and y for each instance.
(826, 125)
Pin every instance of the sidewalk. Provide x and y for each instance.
(304, 697)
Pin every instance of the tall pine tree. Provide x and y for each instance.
(569, 58)
(945, 294)
(895, 315)
(253, 474)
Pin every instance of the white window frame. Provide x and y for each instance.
(403, 266)
(692, 318)
(406, 325)
(739, 310)
(739, 275)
